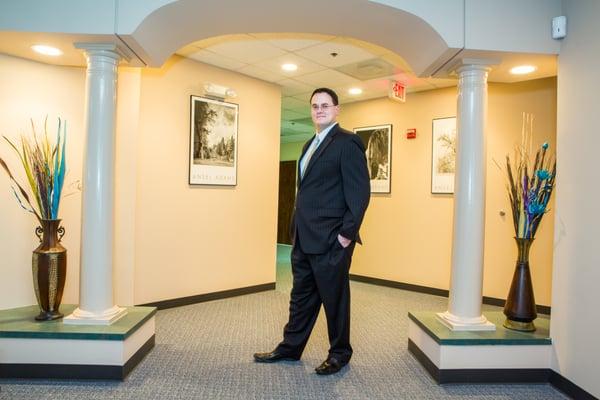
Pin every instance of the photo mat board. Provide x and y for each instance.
(378, 142)
(213, 142)
(443, 155)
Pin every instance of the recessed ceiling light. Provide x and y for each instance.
(289, 67)
(522, 69)
(355, 90)
(46, 50)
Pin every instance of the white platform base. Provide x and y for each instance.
(54, 350)
(108, 317)
(479, 356)
(460, 324)
(75, 351)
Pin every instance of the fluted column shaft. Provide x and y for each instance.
(96, 271)
(464, 310)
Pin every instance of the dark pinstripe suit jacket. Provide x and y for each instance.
(334, 194)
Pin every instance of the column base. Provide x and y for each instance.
(106, 317)
(455, 323)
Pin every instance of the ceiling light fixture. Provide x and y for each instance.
(289, 67)
(355, 91)
(46, 50)
(522, 69)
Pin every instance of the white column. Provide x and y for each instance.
(464, 310)
(96, 304)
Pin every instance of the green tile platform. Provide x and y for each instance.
(20, 323)
(501, 336)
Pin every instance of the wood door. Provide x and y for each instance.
(287, 195)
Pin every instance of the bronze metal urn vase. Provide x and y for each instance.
(520, 308)
(49, 267)
(529, 187)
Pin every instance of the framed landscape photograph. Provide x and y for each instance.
(213, 142)
(378, 142)
(443, 155)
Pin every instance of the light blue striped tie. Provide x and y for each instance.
(309, 155)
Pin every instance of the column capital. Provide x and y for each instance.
(104, 49)
(469, 64)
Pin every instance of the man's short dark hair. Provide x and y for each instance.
(330, 92)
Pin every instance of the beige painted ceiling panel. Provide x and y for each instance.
(346, 53)
(327, 77)
(292, 41)
(304, 66)
(257, 72)
(208, 57)
(247, 51)
(295, 44)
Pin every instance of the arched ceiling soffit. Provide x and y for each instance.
(181, 22)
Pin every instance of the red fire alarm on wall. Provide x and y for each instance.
(411, 133)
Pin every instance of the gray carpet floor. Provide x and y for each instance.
(204, 351)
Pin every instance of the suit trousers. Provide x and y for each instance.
(319, 279)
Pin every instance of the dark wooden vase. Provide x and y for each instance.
(49, 267)
(520, 305)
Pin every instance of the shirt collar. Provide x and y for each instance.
(323, 134)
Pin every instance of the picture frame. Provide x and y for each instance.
(213, 142)
(443, 155)
(378, 143)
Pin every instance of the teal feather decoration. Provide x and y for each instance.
(59, 169)
(44, 164)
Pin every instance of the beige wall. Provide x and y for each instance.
(33, 90)
(171, 239)
(199, 239)
(575, 298)
(408, 234)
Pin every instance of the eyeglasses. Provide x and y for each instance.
(322, 107)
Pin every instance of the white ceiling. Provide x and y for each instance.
(336, 62)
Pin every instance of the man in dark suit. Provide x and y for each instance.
(333, 194)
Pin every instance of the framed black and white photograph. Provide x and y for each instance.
(213, 142)
(378, 142)
(443, 155)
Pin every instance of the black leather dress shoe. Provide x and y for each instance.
(330, 366)
(273, 356)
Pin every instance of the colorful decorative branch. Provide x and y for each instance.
(44, 166)
(529, 193)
